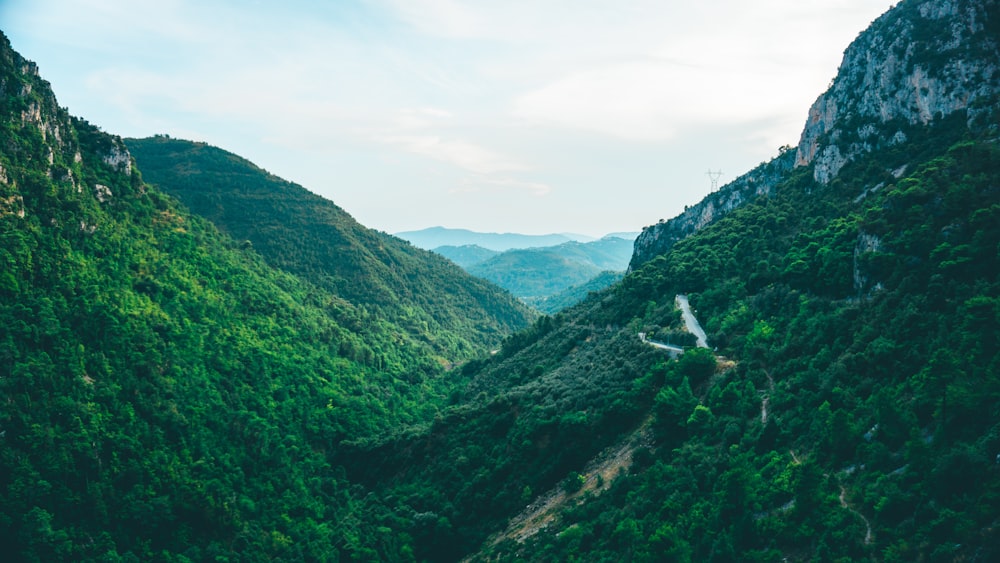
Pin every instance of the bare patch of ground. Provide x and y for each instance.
(599, 474)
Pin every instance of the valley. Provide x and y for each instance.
(545, 276)
(202, 361)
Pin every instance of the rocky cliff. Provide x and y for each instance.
(85, 167)
(919, 63)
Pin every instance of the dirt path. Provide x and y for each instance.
(599, 473)
(765, 397)
(843, 504)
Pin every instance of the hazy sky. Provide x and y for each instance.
(530, 116)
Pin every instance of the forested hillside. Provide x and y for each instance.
(466, 255)
(851, 412)
(855, 415)
(549, 278)
(574, 294)
(168, 395)
(171, 395)
(427, 300)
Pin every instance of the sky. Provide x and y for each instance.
(528, 116)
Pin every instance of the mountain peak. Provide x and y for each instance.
(920, 64)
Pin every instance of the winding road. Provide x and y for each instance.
(668, 347)
(690, 322)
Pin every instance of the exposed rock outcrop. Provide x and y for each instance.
(917, 64)
(64, 146)
(760, 181)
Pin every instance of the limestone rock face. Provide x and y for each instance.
(919, 62)
(922, 61)
(66, 148)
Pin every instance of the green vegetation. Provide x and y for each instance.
(423, 300)
(549, 278)
(167, 394)
(466, 255)
(570, 296)
(858, 419)
(878, 363)
(172, 392)
(537, 273)
(534, 272)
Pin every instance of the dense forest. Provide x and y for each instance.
(167, 393)
(534, 274)
(178, 390)
(854, 416)
(431, 302)
(849, 410)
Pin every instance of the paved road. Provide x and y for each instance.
(690, 322)
(668, 347)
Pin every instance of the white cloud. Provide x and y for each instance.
(339, 95)
(477, 183)
(651, 100)
(644, 70)
(464, 154)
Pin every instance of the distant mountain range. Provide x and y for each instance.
(201, 361)
(435, 237)
(536, 274)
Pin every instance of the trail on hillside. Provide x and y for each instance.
(845, 505)
(599, 473)
(674, 350)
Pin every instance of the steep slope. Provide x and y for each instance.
(854, 415)
(166, 394)
(935, 61)
(430, 300)
(849, 427)
(608, 253)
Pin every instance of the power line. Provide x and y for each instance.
(714, 177)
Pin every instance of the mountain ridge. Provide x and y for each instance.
(537, 273)
(312, 237)
(852, 416)
(896, 94)
(433, 237)
(170, 395)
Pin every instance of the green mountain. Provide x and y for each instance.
(549, 278)
(608, 253)
(536, 273)
(430, 301)
(170, 394)
(173, 393)
(851, 289)
(572, 295)
(466, 255)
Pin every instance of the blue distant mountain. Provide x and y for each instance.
(435, 237)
